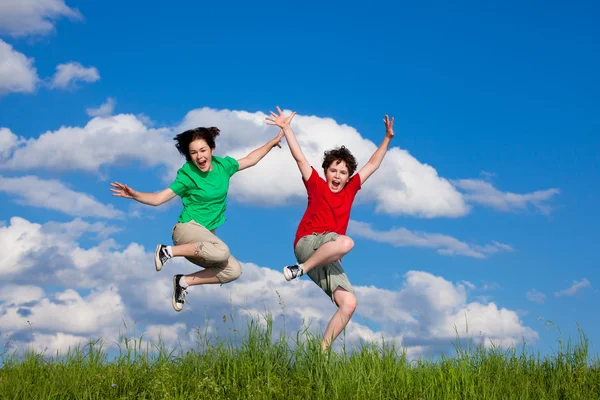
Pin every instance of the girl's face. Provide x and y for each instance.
(337, 176)
(201, 154)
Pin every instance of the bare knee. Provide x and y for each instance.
(231, 272)
(345, 243)
(346, 302)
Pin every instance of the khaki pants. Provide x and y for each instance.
(210, 252)
(328, 276)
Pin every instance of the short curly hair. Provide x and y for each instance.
(338, 155)
(185, 138)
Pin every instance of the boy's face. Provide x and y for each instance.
(337, 176)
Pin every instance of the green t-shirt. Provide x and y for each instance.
(204, 194)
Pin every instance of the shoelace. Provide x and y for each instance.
(183, 296)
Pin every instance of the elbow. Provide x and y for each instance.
(374, 165)
(252, 161)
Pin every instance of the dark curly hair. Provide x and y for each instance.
(185, 138)
(338, 155)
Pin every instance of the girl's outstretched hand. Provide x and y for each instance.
(121, 190)
(280, 120)
(389, 126)
(278, 138)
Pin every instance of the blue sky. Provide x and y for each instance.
(499, 98)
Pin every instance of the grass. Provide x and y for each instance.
(261, 366)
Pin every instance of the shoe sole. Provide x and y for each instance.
(287, 274)
(173, 302)
(157, 262)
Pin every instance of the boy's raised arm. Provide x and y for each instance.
(375, 161)
(284, 123)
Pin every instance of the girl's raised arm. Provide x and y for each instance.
(284, 123)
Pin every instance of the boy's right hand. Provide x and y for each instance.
(280, 120)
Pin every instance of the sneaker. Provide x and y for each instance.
(292, 272)
(161, 255)
(179, 294)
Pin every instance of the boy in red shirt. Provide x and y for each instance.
(321, 239)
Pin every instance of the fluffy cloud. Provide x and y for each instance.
(17, 73)
(421, 316)
(49, 245)
(33, 17)
(402, 185)
(105, 110)
(67, 311)
(67, 75)
(482, 192)
(408, 187)
(55, 195)
(444, 244)
(574, 288)
(535, 296)
(20, 294)
(8, 142)
(103, 141)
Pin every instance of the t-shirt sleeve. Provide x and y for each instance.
(231, 165)
(354, 185)
(313, 181)
(181, 184)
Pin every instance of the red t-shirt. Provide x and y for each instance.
(326, 211)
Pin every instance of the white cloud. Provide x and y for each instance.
(105, 110)
(421, 316)
(69, 312)
(68, 74)
(17, 73)
(65, 320)
(8, 142)
(574, 288)
(49, 246)
(33, 17)
(102, 142)
(444, 244)
(20, 294)
(535, 296)
(51, 343)
(55, 195)
(402, 185)
(482, 192)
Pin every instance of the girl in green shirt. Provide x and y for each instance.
(202, 183)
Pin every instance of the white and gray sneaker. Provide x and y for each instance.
(161, 256)
(292, 272)
(179, 294)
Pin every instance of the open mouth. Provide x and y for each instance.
(202, 164)
(336, 184)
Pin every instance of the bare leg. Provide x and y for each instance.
(206, 276)
(346, 303)
(184, 250)
(329, 252)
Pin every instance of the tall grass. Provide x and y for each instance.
(259, 365)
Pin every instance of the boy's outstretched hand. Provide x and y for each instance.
(389, 126)
(280, 120)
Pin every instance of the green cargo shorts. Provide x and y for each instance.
(328, 276)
